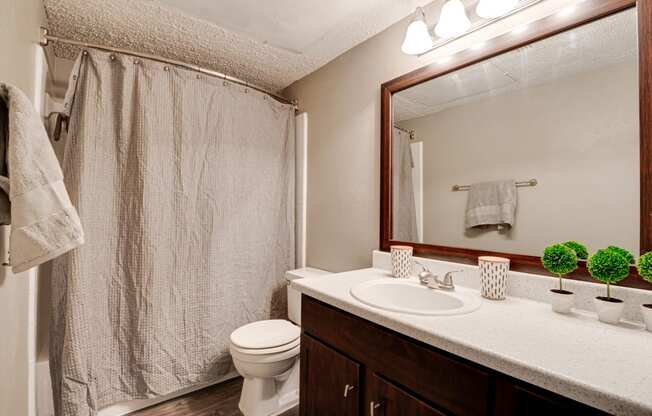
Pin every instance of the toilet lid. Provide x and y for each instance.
(265, 334)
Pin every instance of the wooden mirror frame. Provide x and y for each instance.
(586, 12)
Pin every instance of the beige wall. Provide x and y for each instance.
(20, 65)
(343, 102)
(577, 136)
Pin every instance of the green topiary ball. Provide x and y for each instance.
(559, 259)
(626, 254)
(645, 266)
(608, 266)
(578, 248)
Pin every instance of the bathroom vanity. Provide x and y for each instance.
(512, 357)
(350, 366)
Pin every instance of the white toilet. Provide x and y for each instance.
(266, 354)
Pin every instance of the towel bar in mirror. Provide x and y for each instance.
(531, 182)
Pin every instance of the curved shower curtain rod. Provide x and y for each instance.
(46, 38)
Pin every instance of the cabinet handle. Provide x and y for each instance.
(347, 389)
(372, 407)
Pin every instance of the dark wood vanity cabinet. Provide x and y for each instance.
(350, 366)
(330, 382)
(514, 398)
(393, 400)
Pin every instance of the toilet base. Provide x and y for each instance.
(270, 396)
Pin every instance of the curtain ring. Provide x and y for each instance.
(224, 81)
(112, 57)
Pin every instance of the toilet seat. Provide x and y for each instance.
(266, 335)
(246, 357)
(264, 351)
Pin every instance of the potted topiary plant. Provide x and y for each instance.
(579, 249)
(610, 267)
(560, 260)
(625, 253)
(644, 267)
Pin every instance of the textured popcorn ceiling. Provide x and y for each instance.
(304, 23)
(609, 41)
(250, 49)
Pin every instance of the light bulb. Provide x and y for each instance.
(453, 20)
(490, 9)
(417, 37)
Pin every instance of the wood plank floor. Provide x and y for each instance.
(219, 400)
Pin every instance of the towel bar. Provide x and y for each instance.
(531, 182)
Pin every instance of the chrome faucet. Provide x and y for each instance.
(428, 278)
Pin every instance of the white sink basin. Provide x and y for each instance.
(408, 296)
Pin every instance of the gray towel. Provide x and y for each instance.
(491, 203)
(44, 224)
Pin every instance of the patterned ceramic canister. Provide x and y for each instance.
(493, 277)
(401, 261)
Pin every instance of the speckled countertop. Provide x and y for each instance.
(605, 366)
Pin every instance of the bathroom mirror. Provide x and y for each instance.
(540, 121)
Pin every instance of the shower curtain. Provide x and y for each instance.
(185, 187)
(404, 210)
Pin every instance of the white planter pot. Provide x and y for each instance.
(647, 316)
(609, 311)
(562, 300)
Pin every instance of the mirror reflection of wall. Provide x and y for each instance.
(563, 110)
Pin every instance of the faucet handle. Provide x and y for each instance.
(423, 266)
(447, 283)
(426, 277)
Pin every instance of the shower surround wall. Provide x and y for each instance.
(185, 187)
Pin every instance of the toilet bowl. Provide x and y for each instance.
(266, 354)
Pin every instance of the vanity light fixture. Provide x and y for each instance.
(417, 37)
(453, 20)
(454, 23)
(489, 9)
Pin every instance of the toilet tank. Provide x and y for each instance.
(294, 296)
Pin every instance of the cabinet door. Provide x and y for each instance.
(514, 398)
(390, 400)
(329, 381)
(440, 379)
